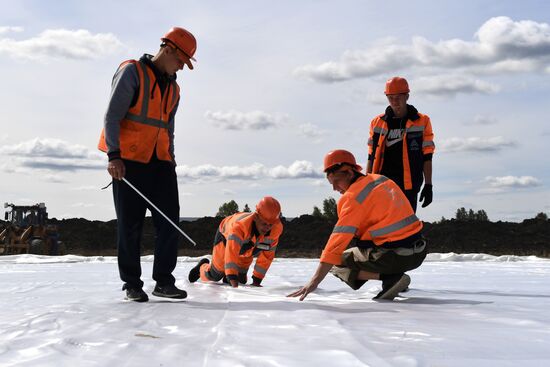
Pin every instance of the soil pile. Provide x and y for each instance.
(306, 236)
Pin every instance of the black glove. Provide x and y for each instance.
(256, 282)
(242, 278)
(426, 195)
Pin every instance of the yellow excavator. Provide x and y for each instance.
(26, 231)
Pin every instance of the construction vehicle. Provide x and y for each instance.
(27, 231)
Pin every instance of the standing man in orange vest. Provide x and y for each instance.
(239, 238)
(377, 223)
(138, 137)
(401, 144)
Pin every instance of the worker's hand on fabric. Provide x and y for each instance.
(304, 291)
(234, 283)
(426, 195)
(116, 169)
(256, 282)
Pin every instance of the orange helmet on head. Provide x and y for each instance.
(397, 85)
(269, 209)
(340, 156)
(183, 40)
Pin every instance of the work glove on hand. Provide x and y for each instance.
(426, 195)
(256, 281)
(242, 278)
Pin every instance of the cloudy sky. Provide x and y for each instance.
(276, 86)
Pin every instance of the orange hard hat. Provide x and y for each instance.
(397, 85)
(340, 156)
(269, 209)
(183, 40)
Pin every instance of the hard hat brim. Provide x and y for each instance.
(269, 221)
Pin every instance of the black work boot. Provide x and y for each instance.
(195, 273)
(169, 291)
(392, 284)
(135, 294)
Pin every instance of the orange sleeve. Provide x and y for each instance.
(265, 258)
(349, 217)
(263, 262)
(235, 240)
(428, 145)
(371, 135)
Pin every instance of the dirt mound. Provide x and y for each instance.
(306, 236)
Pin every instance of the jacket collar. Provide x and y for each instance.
(148, 60)
(412, 113)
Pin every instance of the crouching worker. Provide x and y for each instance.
(239, 238)
(378, 226)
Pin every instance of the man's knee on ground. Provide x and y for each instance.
(209, 273)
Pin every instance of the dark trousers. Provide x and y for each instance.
(412, 196)
(157, 181)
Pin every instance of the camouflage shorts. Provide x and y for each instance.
(378, 260)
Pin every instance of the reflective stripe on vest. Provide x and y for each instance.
(236, 238)
(394, 227)
(344, 229)
(415, 129)
(142, 117)
(380, 130)
(362, 196)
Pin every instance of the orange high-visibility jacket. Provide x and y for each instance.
(146, 123)
(418, 143)
(372, 209)
(242, 242)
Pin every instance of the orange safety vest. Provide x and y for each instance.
(145, 126)
(234, 251)
(372, 209)
(417, 142)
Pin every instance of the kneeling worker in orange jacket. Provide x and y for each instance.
(239, 238)
(377, 223)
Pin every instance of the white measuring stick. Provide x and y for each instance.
(158, 210)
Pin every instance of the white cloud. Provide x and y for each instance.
(450, 85)
(50, 154)
(377, 98)
(61, 43)
(228, 192)
(513, 181)
(9, 29)
(53, 178)
(484, 120)
(259, 120)
(319, 183)
(236, 120)
(475, 144)
(298, 169)
(49, 147)
(311, 131)
(499, 45)
(255, 171)
(502, 184)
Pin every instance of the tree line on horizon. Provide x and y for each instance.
(330, 213)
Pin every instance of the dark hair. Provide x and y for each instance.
(356, 174)
(334, 168)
